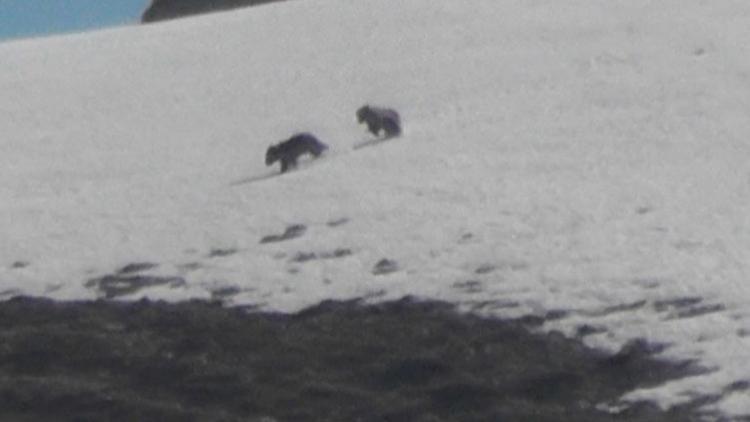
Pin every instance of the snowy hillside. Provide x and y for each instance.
(582, 156)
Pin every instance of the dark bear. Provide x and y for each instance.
(288, 151)
(378, 118)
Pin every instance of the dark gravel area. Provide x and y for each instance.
(338, 361)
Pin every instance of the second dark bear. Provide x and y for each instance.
(288, 151)
(378, 118)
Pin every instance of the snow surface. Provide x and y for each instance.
(588, 156)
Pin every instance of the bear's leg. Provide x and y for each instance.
(287, 163)
(391, 128)
(373, 127)
(316, 150)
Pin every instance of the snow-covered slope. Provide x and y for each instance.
(586, 156)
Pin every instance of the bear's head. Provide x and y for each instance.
(363, 113)
(272, 155)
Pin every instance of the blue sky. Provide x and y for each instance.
(26, 18)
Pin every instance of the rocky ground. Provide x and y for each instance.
(339, 361)
(170, 9)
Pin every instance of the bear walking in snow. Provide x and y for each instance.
(378, 118)
(288, 151)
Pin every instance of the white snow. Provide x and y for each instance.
(587, 154)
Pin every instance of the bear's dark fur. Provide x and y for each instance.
(378, 118)
(288, 151)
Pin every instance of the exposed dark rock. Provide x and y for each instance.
(137, 267)
(170, 9)
(224, 292)
(634, 350)
(738, 386)
(406, 360)
(623, 307)
(412, 371)
(190, 266)
(466, 237)
(469, 286)
(115, 285)
(531, 320)
(556, 314)
(337, 222)
(291, 232)
(340, 253)
(484, 305)
(587, 330)
(485, 269)
(4, 294)
(554, 386)
(304, 257)
(385, 266)
(19, 264)
(218, 252)
(680, 302)
(697, 311)
(535, 320)
(309, 256)
(462, 397)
